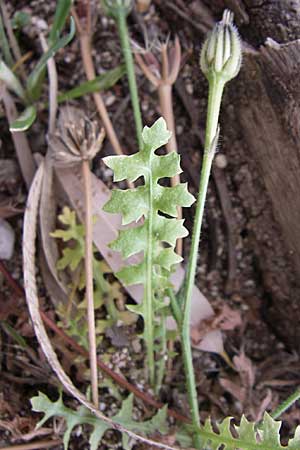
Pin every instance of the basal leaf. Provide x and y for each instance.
(33, 85)
(100, 83)
(83, 416)
(25, 120)
(62, 11)
(11, 81)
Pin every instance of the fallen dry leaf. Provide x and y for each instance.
(225, 319)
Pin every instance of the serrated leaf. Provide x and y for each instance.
(119, 202)
(11, 81)
(131, 241)
(155, 237)
(265, 437)
(134, 274)
(156, 136)
(100, 83)
(83, 416)
(25, 120)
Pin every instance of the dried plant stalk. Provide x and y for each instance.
(77, 140)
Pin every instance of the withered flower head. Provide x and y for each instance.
(76, 139)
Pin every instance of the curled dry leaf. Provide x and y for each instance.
(225, 319)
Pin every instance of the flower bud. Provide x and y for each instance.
(221, 54)
(114, 7)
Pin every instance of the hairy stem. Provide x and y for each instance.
(89, 279)
(214, 102)
(125, 43)
(161, 364)
(148, 296)
(284, 406)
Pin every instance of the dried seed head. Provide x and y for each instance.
(76, 139)
(114, 7)
(221, 54)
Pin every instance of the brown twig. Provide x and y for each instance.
(86, 54)
(34, 445)
(120, 380)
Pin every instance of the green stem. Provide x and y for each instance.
(286, 404)
(163, 354)
(175, 307)
(125, 43)
(5, 45)
(148, 296)
(214, 102)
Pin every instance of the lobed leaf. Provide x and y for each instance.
(83, 416)
(154, 208)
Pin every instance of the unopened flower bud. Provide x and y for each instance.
(114, 7)
(221, 54)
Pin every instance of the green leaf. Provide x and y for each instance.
(34, 80)
(4, 45)
(156, 136)
(25, 120)
(149, 203)
(83, 416)
(11, 81)
(20, 20)
(100, 83)
(61, 14)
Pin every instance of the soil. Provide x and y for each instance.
(243, 259)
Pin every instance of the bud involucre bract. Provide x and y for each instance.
(221, 53)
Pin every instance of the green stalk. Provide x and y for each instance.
(4, 45)
(161, 364)
(284, 406)
(148, 296)
(125, 43)
(216, 86)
